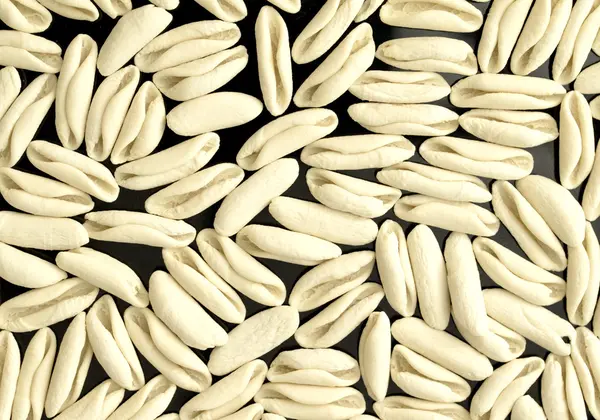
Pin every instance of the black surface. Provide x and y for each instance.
(145, 260)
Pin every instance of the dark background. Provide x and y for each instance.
(144, 260)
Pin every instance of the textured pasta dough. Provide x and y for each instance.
(227, 10)
(149, 402)
(437, 15)
(74, 9)
(29, 52)
(114, 8)
(10, 359)
(25, 15)
(290, 6)
(591, 194)
(585, 346)
(10, 86)
(374, 355)
(27, 270)
(399, 407)
(561, 393)
(587, 80)
(527, 408)
(97, 404)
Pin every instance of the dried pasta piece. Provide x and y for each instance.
(591, 194)
(108, 111)
(132, 32)
(399, 407)
(368, 8)
(254, 194)
(250, 412)
(503, 23)
(584, 349)
(25, 15)
(186, 43)
(27, 270)
(325, 29)
(202, 76)
(42, 196)
(41, 232)
(421, 378)
(430, 277)
(22, 119)
(103, 271)
(533, 322)
(114, 8)
(227, 10)
(290, 6)
(528, 227)
(240, 269)
(540, 36)
(168, 165)
(29, 52)
(374, 355)
(273, 326)
(435, 182)
(71, 368)
(362, 151)
(437, 15)
(526, 408)
(228, 395)
(45, 306)
(10, 86)
(165, 351)
(74, 9)
(587, 80)
(400, 87)
(284, 136)
(405, 119)
(274, 60)
(498, 394)
(97, 404)
(454, 216)
(561, 393)
(510, 128)
(149, 402)
(182, 314)
(342, 67)
(320, 367)
(10, 360)
(518, 275)
(74, 90)
(340, 318)
(478, 158)
(435, 54)
(506, 91)
(331, 280)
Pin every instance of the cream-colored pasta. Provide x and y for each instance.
(321, 367)
(34, 376)
(430, 276)
(165, 351)
(45, 306)
(503, 23)
(518, 275)
(437, 15)
(149, 402)
(114, 8)
(202, 76)
(506, 91)
(73, 169)
(576, 41)
(219, 110)
(74, 90)
(404, 119)
(527, 226)
(540, 36)
(584, 350)
(395, 270)
(42, 196)
(533, 322)
(228, 395)
(284, 245)
(435, 54)
(254, 194)
(435, 182)
(454, 216)
(22, 119)
(240, 269)
(10, 86)
(274, 60)
(421, 378)
(304, 402)
(478, 158)
(442, 348)
(510, 128)
(398, 407)
(557, 206)
(591, 194)
(143, 126)
(27, 270)
(105, 272)
(41, 232)
(186, 43)
(227, 10)
(561, 393)
(284, 136)
(10, 360)
(498, 394)
(325, 29)
(340, 317)
(400, 87)
(74, 9)
(526, 408)
(25, 15)
(290, 6)
(374, 355)
(100, 402)
(362, 151)
(331, 279)
(71, 368)
(29, 52)
(273, 326)
(131, 33)
(342, 67)
(587, 81)
(368, 8)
